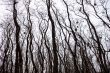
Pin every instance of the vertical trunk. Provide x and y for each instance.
(55, 61)
(18, 61)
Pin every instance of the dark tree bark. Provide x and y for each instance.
(19, 60)
(55, 61)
